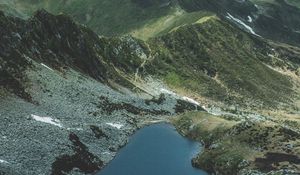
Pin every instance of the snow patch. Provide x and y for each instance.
(191, 100)
(58, 36)
(48, 120)
(214, 113)
(3, 161)
(47, 66)
(250, 19)
(229, 16)
(106, 152)
(274, 69)
(115, 125)
(166, 91)
(77, 129)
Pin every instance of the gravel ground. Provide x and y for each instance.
(72, 116)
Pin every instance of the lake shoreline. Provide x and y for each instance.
(225, 144)
(163, 127)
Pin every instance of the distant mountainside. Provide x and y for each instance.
(222, 63)
(106, 17)
(70, 97)
(209, 57)
(274, 19)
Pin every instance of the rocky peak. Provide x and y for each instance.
(57, 41)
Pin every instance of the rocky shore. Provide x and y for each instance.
(243, 143)
(75, 125)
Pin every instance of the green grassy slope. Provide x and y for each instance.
(165, 24)
(276, 19)
(10, 8)
(218, 61)
(207, 57)
(107, 17)
(233, 145)
(294, 3)
(199, 53)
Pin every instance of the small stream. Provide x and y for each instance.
(155, 150)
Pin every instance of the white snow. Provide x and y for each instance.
(156, 121)
(115, 125)
(58, 36)
(106, 152)
(214, 113)
(250, 19)
(77, 129)
(191, 100)
(273, 68)
(46, 66)
(3, 161)
(166, 91)
(229, 16)
(48, 120)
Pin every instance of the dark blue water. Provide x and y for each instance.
(155, 150)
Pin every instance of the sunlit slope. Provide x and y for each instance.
(106, 17)
(213, 59)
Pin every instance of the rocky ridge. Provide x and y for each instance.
(62, 105)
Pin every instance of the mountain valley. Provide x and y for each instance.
(78, 78)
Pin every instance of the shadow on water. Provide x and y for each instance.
(155, 150)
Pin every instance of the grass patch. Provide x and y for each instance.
(106, 17)
(173, 79)
(230, 146)
(218, 62)
(221, 153)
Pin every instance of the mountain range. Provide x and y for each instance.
(77, 78)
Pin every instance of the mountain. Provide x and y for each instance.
(217, 61)
(108, 17)
(70, 97)
(63, 94)
(273, 19)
